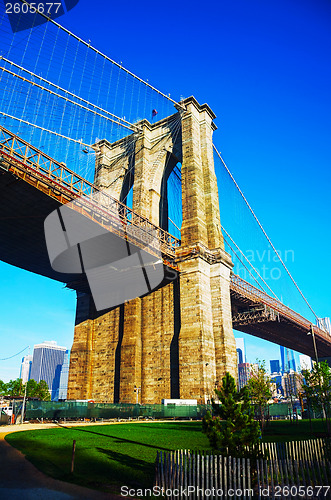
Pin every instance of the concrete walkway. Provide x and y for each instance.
(20, 480)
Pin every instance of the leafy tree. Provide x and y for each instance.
(317, 389)
(295, 392)
(15, 388)
(42, 391)
(232, 428)
(259, 389)
(308, 392)
(3, 388)
(31, 387)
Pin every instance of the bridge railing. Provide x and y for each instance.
(251, 292)
(36, 161)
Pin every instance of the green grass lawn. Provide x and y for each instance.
(284, 430)
(109, 456)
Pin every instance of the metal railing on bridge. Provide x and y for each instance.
(58, 181)
(250, 292)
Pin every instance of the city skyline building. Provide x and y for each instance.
(242, 366)
(243, 374)
(277, 380)
(305, 362)
(25, 370)
(291, 384)
(274, 366)
(282, 358)
(47, 362)
(291, 360)
(324, 324)
(63, 385)
(287, 359)
(241, 355)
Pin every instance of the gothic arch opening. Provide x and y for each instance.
(170, 206)
(126, 195)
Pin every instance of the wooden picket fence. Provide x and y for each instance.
(299, 469)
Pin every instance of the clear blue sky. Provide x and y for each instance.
(264, 68)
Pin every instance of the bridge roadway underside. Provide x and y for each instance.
(278, 329)
(23, 209)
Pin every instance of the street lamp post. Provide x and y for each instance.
(311, 332)
(23, 406)
(24, 399)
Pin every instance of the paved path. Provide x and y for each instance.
(20, 480)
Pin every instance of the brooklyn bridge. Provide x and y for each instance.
(157, 299)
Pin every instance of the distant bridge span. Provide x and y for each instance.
(33, 184)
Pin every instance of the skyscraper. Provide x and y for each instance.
(305, 362)
(243, 367)
(274, 366)
(287, 359)
(277, 380)
(291, 384)
(243, 374)
(324, 324)
(25, 371)
(282, 358)
(63, 386)
(291, 360)
(241, 356)
(47, 363)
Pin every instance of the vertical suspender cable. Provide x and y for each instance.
(265, 234)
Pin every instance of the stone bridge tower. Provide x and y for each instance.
(176, 342)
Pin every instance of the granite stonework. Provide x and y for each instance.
(176, 342)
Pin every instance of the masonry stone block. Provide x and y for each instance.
(178, 340)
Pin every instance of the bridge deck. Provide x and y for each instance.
(33, 185)
(284, 326)
(62, 184)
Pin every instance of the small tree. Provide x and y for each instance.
(308, 392)
(259, 389)
(317, 389)
(3, 388)
(31, 387)
(15, 388)
(42, 391)
(232, 428)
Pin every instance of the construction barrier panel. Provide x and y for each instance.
(74, 410)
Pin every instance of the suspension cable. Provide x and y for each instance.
(45, 129)
(104, 56)
(235, 253)
(130, 125)
(172, 222)
(266, 284)
(265, 234)
(25, 348)
(34, 84)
